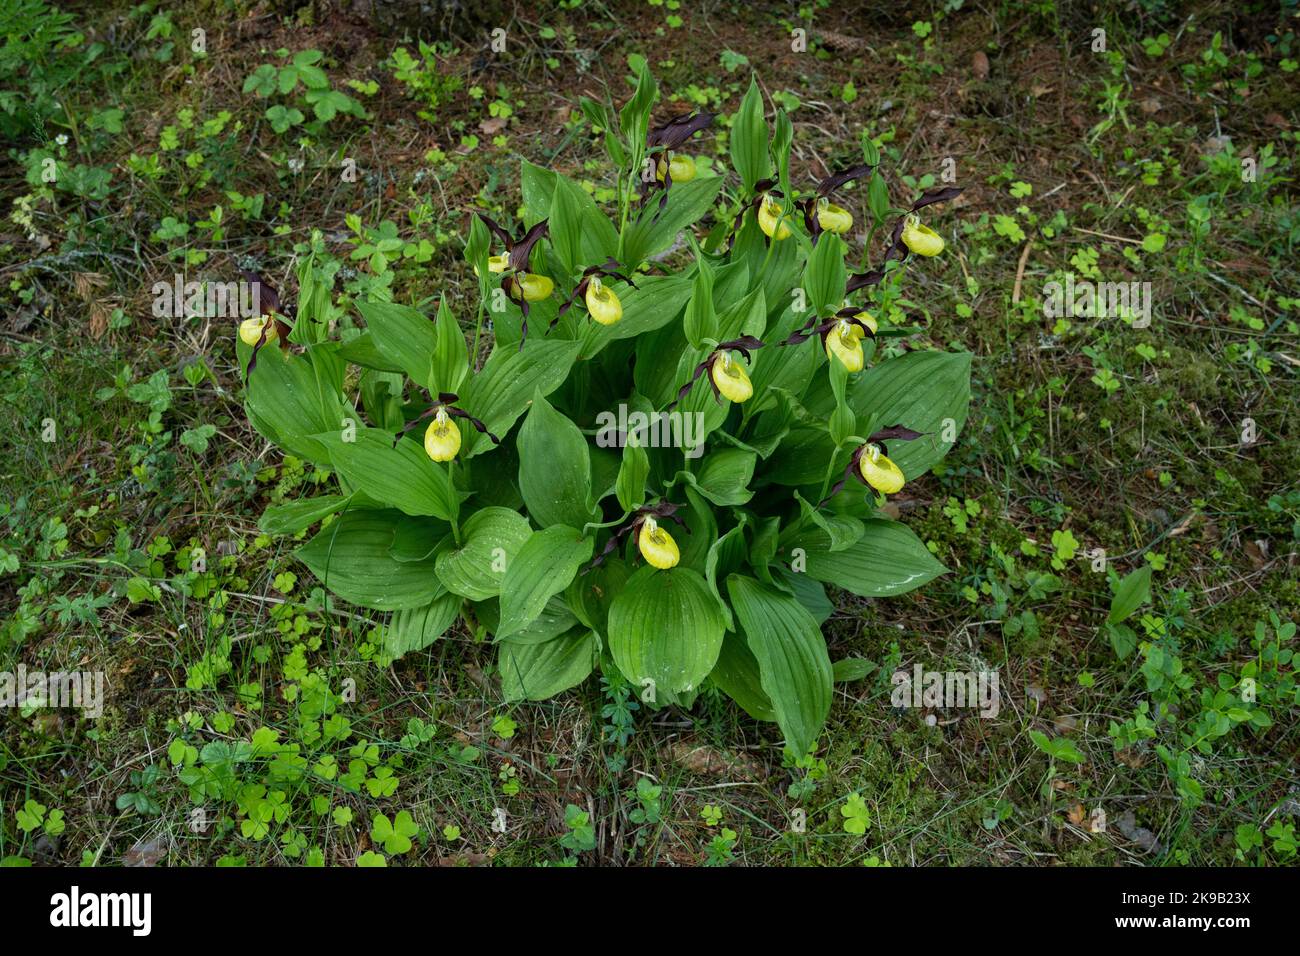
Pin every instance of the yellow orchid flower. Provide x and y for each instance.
(602, 303)
(869, 320)
(250, 330)
(833, 218)
(442, 438)
(731, 379)
(769, 219)
(496, 263)
(682, 168)
(921, 239)
(657, 545)
(535, 287)
(844, 342)
(879, 471)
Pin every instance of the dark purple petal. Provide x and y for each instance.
(834, 182)
(936, 195)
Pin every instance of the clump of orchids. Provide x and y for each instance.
(705, 546)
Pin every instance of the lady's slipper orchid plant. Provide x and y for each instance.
(822, 215)
(653, 542)
(522, 286)
(909, 236)
(596, 515)
(266, 328)
(870, 464)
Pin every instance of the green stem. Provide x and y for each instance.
(455, 513)
(478, 322)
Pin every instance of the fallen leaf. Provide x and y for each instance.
(1130, 758)
(145, 853)
(1128, 828)
(1065, 725)
(703, 759)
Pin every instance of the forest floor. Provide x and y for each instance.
(1166, 158)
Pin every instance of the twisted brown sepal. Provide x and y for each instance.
(861, 280)
(937, 195)
(664, 509)
(515, 293)
(744, 345)
(522, 248)
(678, 130)
(890, 432)
(445, 400)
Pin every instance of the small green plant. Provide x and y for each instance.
(142, 797)
(581, 835)
(856, 815)
(301, 76)
(424, 80)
